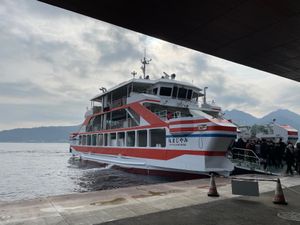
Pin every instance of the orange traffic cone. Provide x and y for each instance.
(212, 188)
(279, 196)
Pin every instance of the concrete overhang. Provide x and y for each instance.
(263, 34)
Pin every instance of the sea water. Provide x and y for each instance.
(32, 170)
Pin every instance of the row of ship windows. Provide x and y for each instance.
(138, 138)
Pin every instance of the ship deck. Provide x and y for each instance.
(184, 202)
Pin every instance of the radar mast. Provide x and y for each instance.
(145, 62)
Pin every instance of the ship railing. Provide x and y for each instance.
(164, 114)
(118, 102)
(245, 157)
(121, 123)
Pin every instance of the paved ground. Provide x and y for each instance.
(184, 202)
(241, 210)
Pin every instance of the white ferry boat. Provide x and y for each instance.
(274, 132)
(156, 126)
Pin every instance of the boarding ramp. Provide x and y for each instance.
(248, 160)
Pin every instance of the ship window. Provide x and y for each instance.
(94, 137)
(105, 139)
(88, 139)
(100, 139)
(113, 139)
(182, 93)
(96, 123)
(174, 93)
(195, 96)
(133, 118)
(80, 140)
(142, 138)
(130, 141)
(84, 140)
(121, 139)
(189, 94)
(155, 91)
(158, 138)
(165, 91)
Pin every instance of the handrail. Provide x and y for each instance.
(245, 155)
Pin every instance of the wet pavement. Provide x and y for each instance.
(183, 202)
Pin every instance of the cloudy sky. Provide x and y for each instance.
(53, 61)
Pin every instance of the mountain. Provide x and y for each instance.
(240, 117)
(282, 116)
(38, 134)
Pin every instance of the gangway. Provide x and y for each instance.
(248, 160)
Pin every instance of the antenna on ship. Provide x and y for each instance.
(204, 96)
(133, 74)
(145, 62)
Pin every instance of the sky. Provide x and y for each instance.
(53, 61)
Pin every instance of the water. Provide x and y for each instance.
(31, 170)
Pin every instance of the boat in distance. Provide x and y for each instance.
(156, 125)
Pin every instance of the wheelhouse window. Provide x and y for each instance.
(174, 93)
(155, 91)
(130, 141)
(158, 138)
(142, 138)
(182, 93)
(165, 91)
(195, 96)
(189, 94)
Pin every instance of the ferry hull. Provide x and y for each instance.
(195, 162)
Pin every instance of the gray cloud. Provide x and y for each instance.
(53, 61)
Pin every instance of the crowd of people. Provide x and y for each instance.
(272, 154)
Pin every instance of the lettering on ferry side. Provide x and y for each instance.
(178, 141)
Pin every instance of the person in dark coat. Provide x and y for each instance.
(289, 158)
(297, 157)
(281, 150)
(264, 153)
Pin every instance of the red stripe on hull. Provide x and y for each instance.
(160, 154)
(210, 128)
(190, 121)
(292, 133)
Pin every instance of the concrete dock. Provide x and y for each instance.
(184, 202)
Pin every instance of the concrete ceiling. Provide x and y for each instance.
(263, 34)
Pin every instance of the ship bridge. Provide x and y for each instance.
(261, 34)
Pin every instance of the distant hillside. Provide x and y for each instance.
(282, 116)
(240, 117)
(61, 133)
(38, 134)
